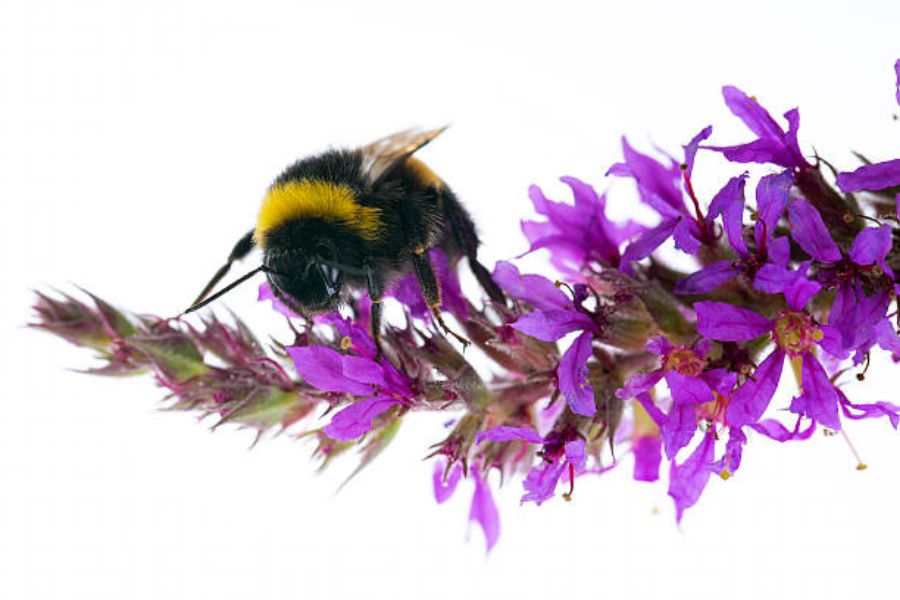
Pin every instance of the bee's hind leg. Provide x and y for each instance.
(376, 289)
(432, 292)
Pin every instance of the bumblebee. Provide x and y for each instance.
(356, 219)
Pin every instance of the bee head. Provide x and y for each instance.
(308, 275)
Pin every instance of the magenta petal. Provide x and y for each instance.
(638, 384)
(810, 233)
(573, 376)
(772, 429)
(681, 423)
(536, 290)
(356, 419)
(753, 115)
(727, 323)
(873, 410)
(729, 202)
(707, 279)
(484, 511)
(771, 198)
(876, 176)
(819, 398)
(687, 236)
(323, 368)
(687, 480)
(444, 489)
(750, 400)
(690, 151)
(795, 286)
(508, 434)
(872, 245)
(550, 325)
(688, 390)
(647, 458)
(734, 450)
(649, 241)
(575, 455)
(779, 251)
(540, 483)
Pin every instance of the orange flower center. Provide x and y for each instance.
(796, 333)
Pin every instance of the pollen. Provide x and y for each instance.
(796, 333)
(685, 361)
(725, 474)
(346, 342)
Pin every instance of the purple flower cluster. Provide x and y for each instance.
(626, 357)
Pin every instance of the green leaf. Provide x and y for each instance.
(174, 353)
(275, 407)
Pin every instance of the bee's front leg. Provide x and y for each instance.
(431, 291)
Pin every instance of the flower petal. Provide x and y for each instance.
(573, 376)
(638, 384)
(810, 233)
(508, 434)
(323, 368)
(536, 290)
(771, 197)
(688, 390)
(872, 245)
(877, 176)
(727, 323)
(750, 400)
(681, 423)
(772, 429)
(649, 241)
(484, 510)
(443, 490)
(690, 151)
(356, 419)
(819, 398)
(647, 457)
(707, 279)
(550, 325)
(687, 480)
(729, 202)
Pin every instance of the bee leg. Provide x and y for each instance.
(376, 290)
(467, 239)
(240, 250)
(432, 292)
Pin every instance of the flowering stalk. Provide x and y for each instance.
(622, 355)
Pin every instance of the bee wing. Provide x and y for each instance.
(381, 156)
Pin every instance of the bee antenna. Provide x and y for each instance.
(225, 290)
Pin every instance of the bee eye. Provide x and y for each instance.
(326, 252)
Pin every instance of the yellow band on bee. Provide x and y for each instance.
(311, 198)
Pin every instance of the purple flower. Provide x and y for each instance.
(555, 316)
(380, 385)
(772, 145)
(687, 480)
(576, 234)
(660, 187)
(771, 198)
(854, 314)
(774, 430)
(877, 176)
(482, 511)
(562, 452)
(795, 335)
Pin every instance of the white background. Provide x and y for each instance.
(136, 139)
